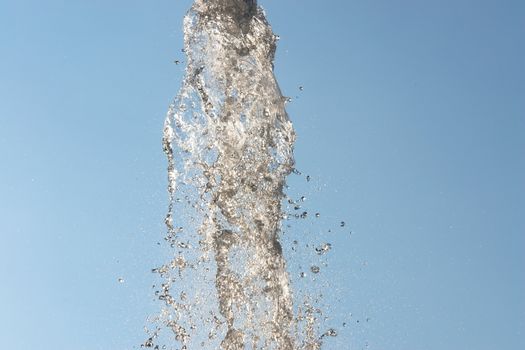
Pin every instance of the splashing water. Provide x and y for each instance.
(229, 144)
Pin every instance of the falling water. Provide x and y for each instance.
(229, 144)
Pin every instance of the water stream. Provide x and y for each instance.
(229, 144)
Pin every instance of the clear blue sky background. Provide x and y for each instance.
(412, 114)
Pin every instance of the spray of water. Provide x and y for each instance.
(229, 144)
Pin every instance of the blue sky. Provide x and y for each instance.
(412, 118)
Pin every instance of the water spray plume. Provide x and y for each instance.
(229, 144)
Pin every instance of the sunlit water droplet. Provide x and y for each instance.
(324, 248)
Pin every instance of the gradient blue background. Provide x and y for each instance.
(412, 116)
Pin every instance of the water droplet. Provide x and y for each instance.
(324, 248)
(149, 343)
(182, 245)
(331, 332)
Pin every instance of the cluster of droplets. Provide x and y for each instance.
(308, 240)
